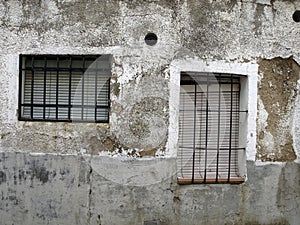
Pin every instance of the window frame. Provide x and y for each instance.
(248, 70)
(71, 69)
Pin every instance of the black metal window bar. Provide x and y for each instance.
(209, 148)
(64, 88)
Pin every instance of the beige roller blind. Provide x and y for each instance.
(209, 129)
(64, 88)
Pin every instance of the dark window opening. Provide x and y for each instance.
(296, 16)
(209, 148)
(151, 39)
(64, 88)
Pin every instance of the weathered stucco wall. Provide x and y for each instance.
(221, 30)
(51, 189)
(77, 184)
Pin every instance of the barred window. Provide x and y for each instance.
(64, 88)
(209, 148)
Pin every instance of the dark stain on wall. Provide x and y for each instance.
(34, 171)
(259, 14)
(2, 177)
(277, 91)
(40, 173)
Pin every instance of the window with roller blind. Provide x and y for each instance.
(209, 128)
(65, 88)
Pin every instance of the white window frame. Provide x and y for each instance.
(248, 100)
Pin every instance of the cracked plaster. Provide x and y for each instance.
(210, 32)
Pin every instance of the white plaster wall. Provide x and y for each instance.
(213, 32)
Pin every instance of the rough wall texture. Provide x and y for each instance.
(218, 30)
(51, 189)
(78, 187)
(277, 93)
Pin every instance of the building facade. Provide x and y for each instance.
(149, 112)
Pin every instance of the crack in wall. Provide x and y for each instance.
(90, 191)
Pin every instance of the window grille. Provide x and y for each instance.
(209, 148)
(64, 88)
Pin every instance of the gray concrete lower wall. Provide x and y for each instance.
(56, 189)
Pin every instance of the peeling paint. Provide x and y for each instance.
(277, 93)
(124, 172)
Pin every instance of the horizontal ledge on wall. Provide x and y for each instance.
(236, 180)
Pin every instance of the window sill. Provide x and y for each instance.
(237, 180)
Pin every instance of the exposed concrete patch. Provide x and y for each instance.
(289, 182)
(264, 178)
(95, 190)
(277, 92)
(43, 189)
